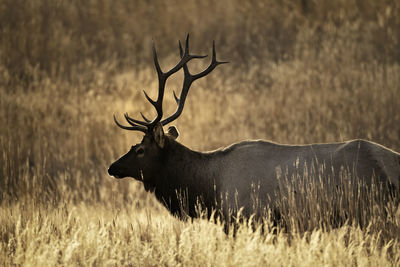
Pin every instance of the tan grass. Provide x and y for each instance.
(95, 235)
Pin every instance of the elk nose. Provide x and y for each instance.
(116, 170)
(113, 171)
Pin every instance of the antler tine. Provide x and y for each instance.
(185, 58)
(185, 69)
(214, 63)
(134, 122)
(146, 119)
(132, 128)
(155, 57)
(180, 48)
(176, 98)
(187, 82)
(163, 76)
(186, 45)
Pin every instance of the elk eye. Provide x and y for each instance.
(140, 152)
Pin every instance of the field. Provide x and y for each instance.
(300, 71)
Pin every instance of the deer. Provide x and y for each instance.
(225, 180)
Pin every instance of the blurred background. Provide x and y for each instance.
(300, 71)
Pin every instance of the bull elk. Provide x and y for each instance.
(224, 179)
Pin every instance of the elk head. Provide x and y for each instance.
(143, 160)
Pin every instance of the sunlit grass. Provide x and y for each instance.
(95, 235)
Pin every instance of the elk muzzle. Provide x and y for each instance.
(115, 171)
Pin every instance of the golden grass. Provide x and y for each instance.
(95, 235)
(300, 72)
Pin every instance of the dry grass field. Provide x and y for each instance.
(300, 71)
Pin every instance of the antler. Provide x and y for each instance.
(187, 82)
(146, 125)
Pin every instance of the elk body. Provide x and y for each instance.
(226, 180)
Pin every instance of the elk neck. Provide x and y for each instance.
(191, 172)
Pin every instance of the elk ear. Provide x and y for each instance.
(173, 132)
(159, 135)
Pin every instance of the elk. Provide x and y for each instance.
(224, 180)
